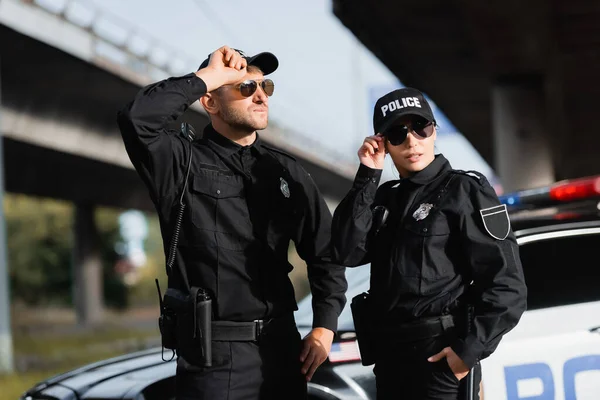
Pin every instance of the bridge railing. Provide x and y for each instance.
(116, 40)
(146, 58)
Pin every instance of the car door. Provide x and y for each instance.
(554, 352)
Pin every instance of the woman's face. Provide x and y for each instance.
(416, 151)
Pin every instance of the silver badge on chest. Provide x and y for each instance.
(423, 211)
(285, 188)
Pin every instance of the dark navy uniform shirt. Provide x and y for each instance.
(446, 232)
(244, 206)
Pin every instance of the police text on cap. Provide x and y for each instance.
(395, 105)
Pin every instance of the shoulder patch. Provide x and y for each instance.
(496, 222)
(280, 152)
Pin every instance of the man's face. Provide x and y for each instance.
(415, 152)
(244, 113)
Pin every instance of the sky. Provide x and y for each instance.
(327, 81)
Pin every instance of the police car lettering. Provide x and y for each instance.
(496, 222)
(396, 105)
(517, 376)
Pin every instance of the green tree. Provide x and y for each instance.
(115, 291)
(39, 243)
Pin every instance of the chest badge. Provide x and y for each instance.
(285, 188)
(423, 211)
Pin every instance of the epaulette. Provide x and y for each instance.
(473, 174)
(389, 184)
(274, 150)
(384, 190)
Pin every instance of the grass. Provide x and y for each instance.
(43, 351)
(65, 345)
(14, 385)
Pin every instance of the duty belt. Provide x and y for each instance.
(420, 329)
(232, 331)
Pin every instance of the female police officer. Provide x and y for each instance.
(437, 240)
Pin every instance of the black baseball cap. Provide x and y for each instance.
(405, 101)
(267, 62)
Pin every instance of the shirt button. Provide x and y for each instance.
(373, 180)
(424, 229)
(189, 81)
(218, 191)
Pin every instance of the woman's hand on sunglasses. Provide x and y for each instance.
(226, 66)
(372, 152)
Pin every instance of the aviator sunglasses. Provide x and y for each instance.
(420, 127)
(247, 88)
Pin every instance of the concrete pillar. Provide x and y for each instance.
(556, 118)
(87, 265)
(6, 346)
(522, 154)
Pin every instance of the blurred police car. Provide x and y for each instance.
(554, 352)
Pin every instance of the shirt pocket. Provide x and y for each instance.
(429, 240)
(215, 192)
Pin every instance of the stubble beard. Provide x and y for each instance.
(241, 121)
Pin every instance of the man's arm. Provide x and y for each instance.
(156, 154)
(327, 280)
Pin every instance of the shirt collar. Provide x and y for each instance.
(225, 145)
(431, 172)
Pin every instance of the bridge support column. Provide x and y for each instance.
(522, 153)
(87, 267)
(6, 343)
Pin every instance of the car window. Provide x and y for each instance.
(561, 270)
(358, 282)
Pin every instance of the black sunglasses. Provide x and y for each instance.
(247, 88)
(420, 127)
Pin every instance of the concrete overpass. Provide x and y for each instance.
(519, 79)
(63, 76)
(60, 133)
(62, 85)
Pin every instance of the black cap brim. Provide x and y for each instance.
(267, 62)
(395, 117)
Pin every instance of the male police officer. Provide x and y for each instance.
(246, 201)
